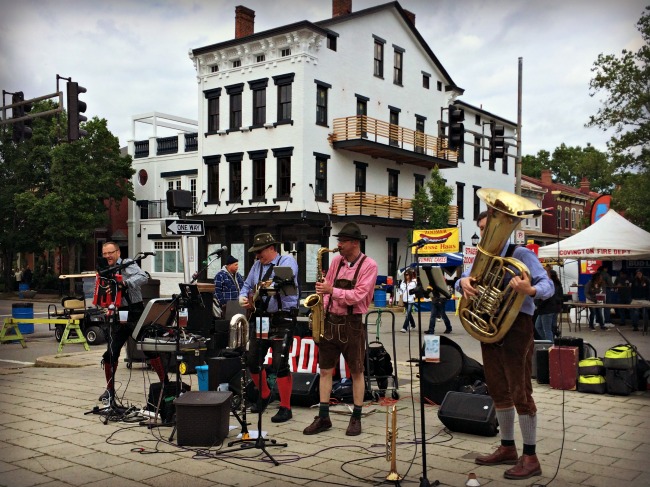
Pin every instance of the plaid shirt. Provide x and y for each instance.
(227, 286)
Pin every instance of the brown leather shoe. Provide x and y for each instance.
(319, 425)
(354, 428)
(504, 455)
(527, 466)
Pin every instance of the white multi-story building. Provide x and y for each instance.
(311, 125)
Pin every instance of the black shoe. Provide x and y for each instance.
(283, 414)
(448, 331)
(412, 327)
(265, 402)
(429, 332)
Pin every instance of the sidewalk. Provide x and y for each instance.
(46, 438)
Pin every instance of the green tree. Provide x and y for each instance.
(626, 82)
(85, 176)
(569, 165)
(431, 203)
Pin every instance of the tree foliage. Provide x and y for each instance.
(568, 165)
(57, 193)
(626, 82)
(431, 203)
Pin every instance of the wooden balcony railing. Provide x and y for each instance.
(380, 131)
(369, 204)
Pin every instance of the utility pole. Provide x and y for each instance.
(518, 160)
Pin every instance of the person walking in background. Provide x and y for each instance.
(593, 288)
(27, 276)
(623, 286)
(347, 292)
(640, 295)
(438, 304)
(18, 275)
(407, 288)
(608, 289)
(548, 309)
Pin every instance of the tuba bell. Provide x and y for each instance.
(489, 315)
(238, 332)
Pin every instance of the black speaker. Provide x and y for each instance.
(543, 375)
(454, 371)
(304, 391)
(469, 413)
(571, 342)
(222, 370)
(199, 319)
(179, 200)
(167, 408)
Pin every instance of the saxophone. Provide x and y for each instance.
(489, 315)
(315, 301)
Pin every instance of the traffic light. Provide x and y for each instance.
(497, 141)
(21, 130)
(456, 128)
(75, 109)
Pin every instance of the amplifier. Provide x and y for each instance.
(305, 390)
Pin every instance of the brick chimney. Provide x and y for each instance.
(341, 7)
(584, 185)
(410, 16)
(244, 21)
(546, 176)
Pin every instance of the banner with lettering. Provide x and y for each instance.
(436, 241)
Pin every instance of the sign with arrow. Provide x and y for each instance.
(174, 228)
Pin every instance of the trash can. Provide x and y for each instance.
(22, 287)
(23, 310)
(380, 298)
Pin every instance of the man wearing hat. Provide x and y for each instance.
(347, 291)
(277, 305)
(227, 284)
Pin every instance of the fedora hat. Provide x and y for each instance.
(261, 241)
(351, 230)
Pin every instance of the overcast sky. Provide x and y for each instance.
(132, 56)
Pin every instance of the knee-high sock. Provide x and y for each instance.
(506, 418)
(285, 386)
(157, 365)
(109, 373)
(528, 425)
(264, 386)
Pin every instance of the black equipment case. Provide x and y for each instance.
(469, 413)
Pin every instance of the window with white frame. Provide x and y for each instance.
(558, 212)
(168, 256)
(573, 218)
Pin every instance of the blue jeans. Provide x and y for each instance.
(409, 316)
(596, 313)
(438, 309)
(544, 325)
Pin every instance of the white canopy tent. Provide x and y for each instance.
(612, 237)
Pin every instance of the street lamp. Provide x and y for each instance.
(475, 239)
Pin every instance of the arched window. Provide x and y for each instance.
(559, 217)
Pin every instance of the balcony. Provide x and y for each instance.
(369, 204)
(378, 138)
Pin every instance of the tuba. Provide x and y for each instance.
(489, 315)
(315, 301)
(238, 332)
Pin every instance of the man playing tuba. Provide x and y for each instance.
(508, 364)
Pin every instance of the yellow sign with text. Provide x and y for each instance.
(436, 241)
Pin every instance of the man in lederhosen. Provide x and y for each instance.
(133, 277)
(347, 291)
(277, 306)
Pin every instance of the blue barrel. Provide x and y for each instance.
(23, 310)
(21, 290)
(202, 373)
(380, 298)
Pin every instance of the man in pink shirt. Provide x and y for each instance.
(347, 291)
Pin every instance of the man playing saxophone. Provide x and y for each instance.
(277, 306)
(347, 291)
(508, 364)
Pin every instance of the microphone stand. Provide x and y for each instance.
(261, 307)
(421, 293)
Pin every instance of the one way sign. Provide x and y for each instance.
(173, 228)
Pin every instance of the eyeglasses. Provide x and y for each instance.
(106, 254)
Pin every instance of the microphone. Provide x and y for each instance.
(535, 212)
(420, 243)
(219, 251)
(148, 253)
